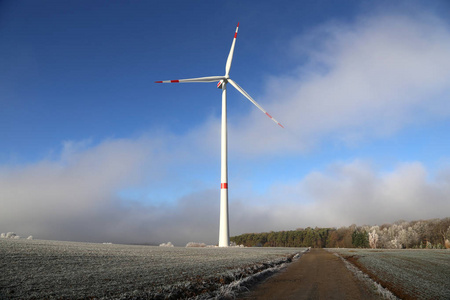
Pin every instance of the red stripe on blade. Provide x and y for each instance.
(269, 115)
(224, 185)
(158, 81)
(281, 125)
(174, 81)
(235, 34)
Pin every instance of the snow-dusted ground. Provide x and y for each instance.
(411, 274)
(54, 269)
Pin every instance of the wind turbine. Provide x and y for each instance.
(224, 236)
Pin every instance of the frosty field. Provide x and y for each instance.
(54, 269)
(408, 273)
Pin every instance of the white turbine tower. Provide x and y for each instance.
(224, 236)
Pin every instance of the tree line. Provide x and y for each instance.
(434, 233)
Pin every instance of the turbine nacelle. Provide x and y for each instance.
(220, 83)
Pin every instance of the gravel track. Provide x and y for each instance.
(36, 269)
(317, 275)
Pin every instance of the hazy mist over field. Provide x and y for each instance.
(363, 91)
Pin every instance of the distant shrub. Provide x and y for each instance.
(234, 245)
(169, 244)
(11, 235)
(194, 244)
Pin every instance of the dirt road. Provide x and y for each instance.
(318, 274)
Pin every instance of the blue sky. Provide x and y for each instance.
(91, 149)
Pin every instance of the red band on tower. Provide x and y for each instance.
(224, 185)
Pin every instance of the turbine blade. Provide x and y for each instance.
(198, 79)
(252, 100)
(230, 55)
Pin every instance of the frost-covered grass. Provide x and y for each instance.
(53, 269)
(409, 274)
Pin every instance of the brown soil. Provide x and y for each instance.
(318, 274)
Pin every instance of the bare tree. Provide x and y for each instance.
(373, 239)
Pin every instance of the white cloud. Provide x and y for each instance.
(75, 198)
(367, 79)
(347, 193)
(76, 195)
